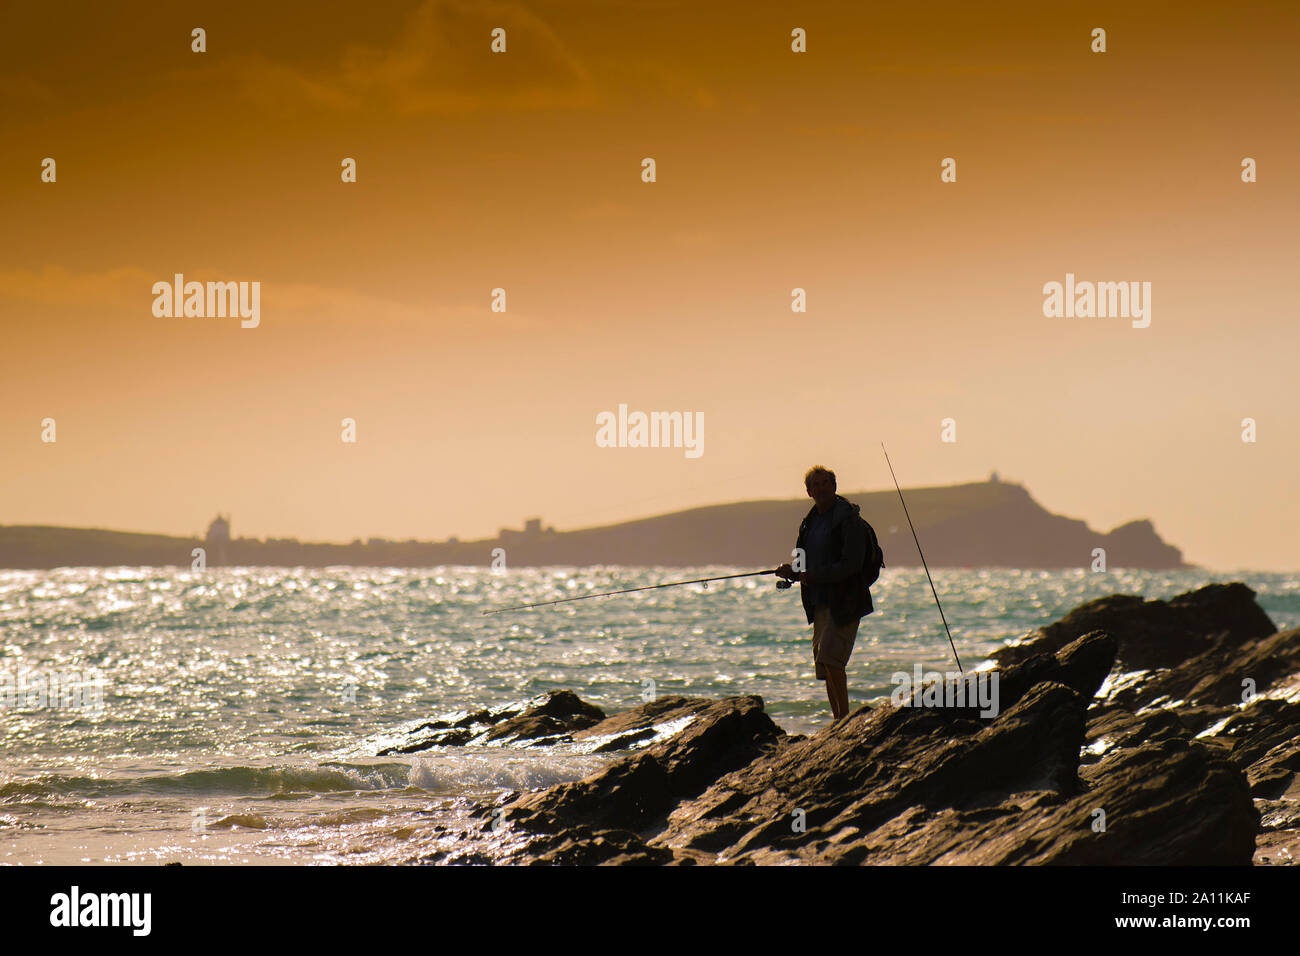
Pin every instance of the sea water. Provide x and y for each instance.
(158, 715)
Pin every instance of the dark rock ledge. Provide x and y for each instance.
(1125, 711)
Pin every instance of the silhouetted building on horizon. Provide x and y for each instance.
(217, 541)
(532, 530)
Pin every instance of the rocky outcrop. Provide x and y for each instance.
(1117, 736)
(1263, 740)
(1155, 633)
(549, 718)
(913, 785)
(633, 793)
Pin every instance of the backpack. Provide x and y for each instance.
(875, 558)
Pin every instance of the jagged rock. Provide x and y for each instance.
(1170, 803)
(642, 724)
(1218, 676)
(631, 793)
(1155, 634)
(1081, 665)
(873, 765)
(911, 786)
(1274, 774)
(562, 712)
(1150, 819)
(556, 717)
(1280, 815)
(1278, 848)
(1259, 728)
(1117, 727)
(551, 716)
(582, 846)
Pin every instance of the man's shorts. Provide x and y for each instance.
(832, 643)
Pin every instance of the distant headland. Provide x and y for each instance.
(981, 524)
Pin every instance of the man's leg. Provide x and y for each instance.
(822, 623)
(837, 689)
(845, 637)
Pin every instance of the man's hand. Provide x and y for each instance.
(790, 574)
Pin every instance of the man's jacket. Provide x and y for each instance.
(842, 580)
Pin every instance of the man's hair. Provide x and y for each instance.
(819, 470)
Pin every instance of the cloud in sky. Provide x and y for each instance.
(429, 68)
(55, 285)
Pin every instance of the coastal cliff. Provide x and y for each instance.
(982, 524)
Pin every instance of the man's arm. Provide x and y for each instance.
(851, 558)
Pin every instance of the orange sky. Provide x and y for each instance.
(522, 170)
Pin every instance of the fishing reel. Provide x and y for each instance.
(783, 583)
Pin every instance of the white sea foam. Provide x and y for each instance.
(460, 773)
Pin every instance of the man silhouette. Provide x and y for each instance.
(833, 544)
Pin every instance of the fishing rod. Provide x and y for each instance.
(923, 564)
(648, 587)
